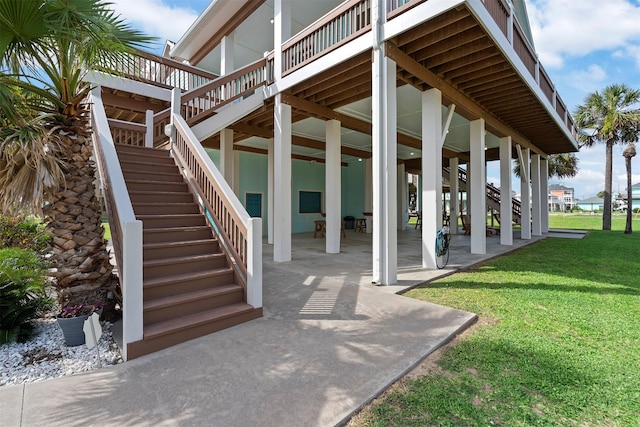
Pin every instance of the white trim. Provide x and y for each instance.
(99, 78)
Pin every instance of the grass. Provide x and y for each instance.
(107, 230)
(557, 342)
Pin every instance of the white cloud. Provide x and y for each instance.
(584, 80)
(156, 18)
(563, 28)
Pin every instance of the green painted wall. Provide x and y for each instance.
(306, 176)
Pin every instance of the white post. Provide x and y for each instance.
(544, 191)
(254, 262)
(536, 196)
(454, 194)
(384, 155)
(282, 181)
(477, 182)
(525, 204)
(402, 197)
(176, 100)
(227, 162)
(132, 280)
(236, 173)
(148, 136)
(333, 187)
(368, 193)
(431, 186)
(506, 200)
(270, 191)
(281, 33)
(227, 54)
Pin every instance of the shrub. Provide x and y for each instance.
(22, 292)
(23, 233)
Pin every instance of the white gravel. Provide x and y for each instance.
(46, 356)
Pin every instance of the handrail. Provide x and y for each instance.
(202, 102)
(241, 234)
(127, 133)
(126, 230)
(398, 7)
(344, 23)
(157, 70)
(492, 192)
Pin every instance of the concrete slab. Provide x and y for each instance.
(328, 343)
(11, 404)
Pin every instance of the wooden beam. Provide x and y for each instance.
(467, 107)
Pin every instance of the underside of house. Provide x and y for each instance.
(286, 110)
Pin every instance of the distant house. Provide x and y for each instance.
(562, 196)
(635, 196)
(591, 204)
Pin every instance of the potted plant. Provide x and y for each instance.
(71, 320)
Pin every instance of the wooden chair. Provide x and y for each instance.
(360, 225)
(320, 226)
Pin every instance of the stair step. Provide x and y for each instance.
(134, 164)
(184, 248)
(183, 304)
(168, 266)
(173, 220)
(142, 151)
(165, 208)
(195, 319)
(157, 196)
(137, 175)
(157, 186)
(186, 282)
(176, 234)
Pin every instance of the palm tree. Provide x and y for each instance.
(628, 153)
(612, 115)
(46, 49)
(564, 165)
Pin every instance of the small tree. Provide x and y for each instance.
(628, 153)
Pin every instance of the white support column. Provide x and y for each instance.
(282, 181)
(270, 191)
(477, 182)
(536, 196)
(402, 198)
(281, 33)
(506, 200)
(236, 173)
(333, 186)
(148, 136)
(368, 193)
(544, 192)
(227, 55)
(431, 175)
(384, 156)
(454, 194)
(227, 162)
(525, 192)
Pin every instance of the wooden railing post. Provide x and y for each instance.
(254, 262)
(176, 101)
(148, 136)
(510, 22)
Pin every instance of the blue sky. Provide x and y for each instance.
(584, 45)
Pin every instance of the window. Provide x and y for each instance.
(310, 202)
(254, 204)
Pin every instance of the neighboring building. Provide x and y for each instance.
(324, 107)
(556, 204)
(563, 195)
(635, 196)
(591, 204)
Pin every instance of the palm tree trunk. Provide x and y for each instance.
(606, 216)
(80, 260)
(627, 228)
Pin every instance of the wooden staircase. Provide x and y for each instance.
(189, 286)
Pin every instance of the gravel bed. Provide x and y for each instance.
(46, 356)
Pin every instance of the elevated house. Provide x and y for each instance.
(268, 113)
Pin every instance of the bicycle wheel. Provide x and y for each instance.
(441, 261)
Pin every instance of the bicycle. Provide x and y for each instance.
(443, 237)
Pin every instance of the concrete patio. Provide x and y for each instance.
(328, 343)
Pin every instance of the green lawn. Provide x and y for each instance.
(557, 343)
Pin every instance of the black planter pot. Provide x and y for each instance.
(72, 329)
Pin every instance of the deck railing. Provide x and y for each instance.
(126, 230)
(240, 234)
(157, 70)
(504, 17)
(128, 133)
(346, 22)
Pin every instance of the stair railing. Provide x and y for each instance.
(126, 230)
(240, 234)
